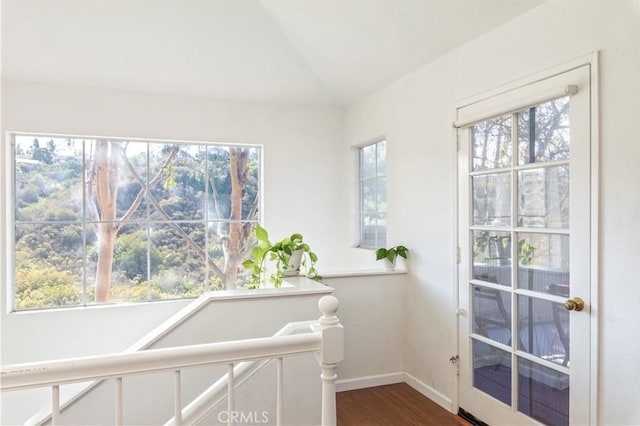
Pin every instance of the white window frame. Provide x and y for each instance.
(378, 242)
(9, 200)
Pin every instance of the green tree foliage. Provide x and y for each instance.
(44, 155)
(130, 255)
(38, 287)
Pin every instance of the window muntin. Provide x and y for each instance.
(373, 195)
(111, 220)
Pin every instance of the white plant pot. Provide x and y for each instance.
(388, 265)
(293, 268)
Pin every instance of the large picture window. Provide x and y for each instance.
(373, 195)
(110, 220)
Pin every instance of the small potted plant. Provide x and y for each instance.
(291, 252)
(288, 254)
(389, 256)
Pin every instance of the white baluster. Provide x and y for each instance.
(55, 405)
(177, 399)
(279, 393)
(328, 376)
(331, 353)
(231, 394)
(119, 402)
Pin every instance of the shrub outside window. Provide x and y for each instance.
(373, 195)
(100, 220)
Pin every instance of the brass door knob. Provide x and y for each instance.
(575, 304)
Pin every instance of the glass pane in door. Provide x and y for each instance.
(543, 263)
(543, 197)
(491, 313)
(543, 132)
(543, 329)
(492, 371)
(492, 257)
(492, 199)
(543, 393)
(492, 148)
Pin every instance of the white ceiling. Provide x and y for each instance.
(303, 51)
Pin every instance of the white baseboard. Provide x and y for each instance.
(391, 378)
(437, 397)
(369, 381)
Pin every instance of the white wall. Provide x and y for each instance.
(416, 113)
(372, 312)
(302, 186)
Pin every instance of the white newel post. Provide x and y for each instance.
(331, 353)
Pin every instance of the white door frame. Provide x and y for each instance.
(593, 61)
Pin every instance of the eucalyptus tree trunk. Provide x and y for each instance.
(234, 246)
(106, 174)
(102, 197)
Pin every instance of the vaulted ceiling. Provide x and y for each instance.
(305, 51)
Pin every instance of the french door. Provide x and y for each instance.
(524, 238)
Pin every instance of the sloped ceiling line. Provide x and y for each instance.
(322, 52)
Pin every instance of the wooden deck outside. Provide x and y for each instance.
(391, 405)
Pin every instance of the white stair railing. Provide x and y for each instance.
(326, 339)
(212, 397)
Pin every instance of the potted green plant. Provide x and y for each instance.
(288, 254)
(389, 256)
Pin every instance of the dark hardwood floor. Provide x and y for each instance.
(391, 405)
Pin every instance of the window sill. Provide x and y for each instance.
(363, 273)
(292, 286)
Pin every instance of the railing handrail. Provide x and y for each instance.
(72, 370)
(69, 395)
(324, 337)
(216, 393)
